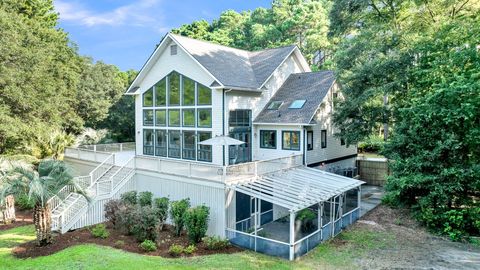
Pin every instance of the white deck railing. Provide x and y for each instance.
(86, 154)
(200, 170)
(256, 168)
(110, 147)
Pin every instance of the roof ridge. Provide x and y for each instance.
(318, 71)
(275, 48)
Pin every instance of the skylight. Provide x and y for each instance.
(274, 105)
(297, 104)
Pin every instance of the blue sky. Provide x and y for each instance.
(125, 32)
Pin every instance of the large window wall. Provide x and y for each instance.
(177, 115)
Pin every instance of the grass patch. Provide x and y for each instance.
(341, 251)
(337, 253)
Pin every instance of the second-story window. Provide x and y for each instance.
(204, 95)
(173, 118)
(188, 117)
(148, 117)
(205, 118)
(268, 139)
(160, 118)
(323, 138)
(291, 140)
(148, 98)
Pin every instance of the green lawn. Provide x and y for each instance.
(329, 255)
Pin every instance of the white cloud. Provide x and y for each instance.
(140, 13)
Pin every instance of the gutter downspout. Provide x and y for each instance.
(305, 146)
(223, 124)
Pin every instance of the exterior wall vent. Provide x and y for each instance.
(173, 50)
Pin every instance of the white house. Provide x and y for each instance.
(189, 91)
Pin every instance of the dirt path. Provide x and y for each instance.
(412, 247)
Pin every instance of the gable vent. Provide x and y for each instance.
(173, 50)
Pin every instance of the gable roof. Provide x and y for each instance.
(309, 86)
(230, 67)
(235, 67)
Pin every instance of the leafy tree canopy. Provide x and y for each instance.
(300, 22)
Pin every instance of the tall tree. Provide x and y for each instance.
(371, 60)
(121, 117)
(38, 78)
(100, 86)
(436, 143)
(300, 22)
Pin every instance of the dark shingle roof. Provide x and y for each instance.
(310, 86)
(235, 67)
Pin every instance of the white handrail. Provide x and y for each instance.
(96, 174)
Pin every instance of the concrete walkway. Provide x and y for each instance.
(371, 197)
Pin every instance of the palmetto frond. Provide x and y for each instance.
(40, 185)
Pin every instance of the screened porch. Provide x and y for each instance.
(287, 214)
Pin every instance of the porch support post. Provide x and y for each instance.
(319, 218)
(359, 201)
(292, 235)
(255, 221)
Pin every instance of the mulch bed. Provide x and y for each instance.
(24, 217)
(83, 236)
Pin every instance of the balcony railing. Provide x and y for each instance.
(110, 147)
(195, 169)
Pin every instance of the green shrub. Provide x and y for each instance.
(177, 214)
(215, 243)
(128, 216)
(161, 208)
(145, 198)
(190, 249)
(129, 197)
(146, 225)
(175, 250)
(112, 209)
(119, 244)
(100, 231)
(196, 223)
(373, 144)
(23, 202)
(307, 218)
(148, 246)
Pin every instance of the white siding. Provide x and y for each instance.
(324, 121)
(256, 101)
(200, 193)
(263, 153)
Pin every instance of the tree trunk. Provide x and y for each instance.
(42, 219)
(385, 118)
(7, 215)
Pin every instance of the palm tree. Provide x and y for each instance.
(7, 208)
(40, 185)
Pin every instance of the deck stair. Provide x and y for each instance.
(102, 183)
